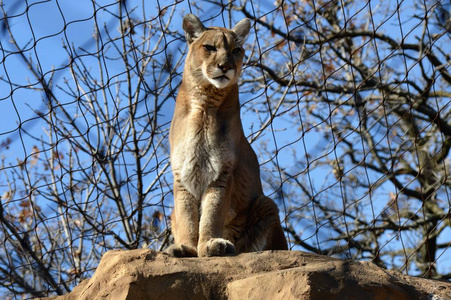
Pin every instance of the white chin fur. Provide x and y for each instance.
(219, 83)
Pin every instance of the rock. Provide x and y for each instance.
(146, 274)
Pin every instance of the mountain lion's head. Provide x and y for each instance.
(215, 54)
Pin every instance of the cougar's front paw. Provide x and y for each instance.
(181, 251)
(217, 247)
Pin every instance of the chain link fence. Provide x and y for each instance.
(346, 103)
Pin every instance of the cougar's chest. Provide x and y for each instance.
(204, 150)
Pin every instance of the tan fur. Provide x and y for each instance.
(219, 206)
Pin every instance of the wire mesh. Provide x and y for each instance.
(346, 103)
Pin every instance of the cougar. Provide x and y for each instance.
(219, 205)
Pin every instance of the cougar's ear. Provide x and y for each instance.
(242, 30)
(193, 27)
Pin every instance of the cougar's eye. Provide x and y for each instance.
(210, 48)
(236, 51)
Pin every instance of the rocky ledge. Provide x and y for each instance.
(147, 274)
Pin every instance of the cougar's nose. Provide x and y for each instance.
(225, 67)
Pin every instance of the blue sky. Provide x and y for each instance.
(49, 24)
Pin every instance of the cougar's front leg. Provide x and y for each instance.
(214, 209)
(184, 223)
